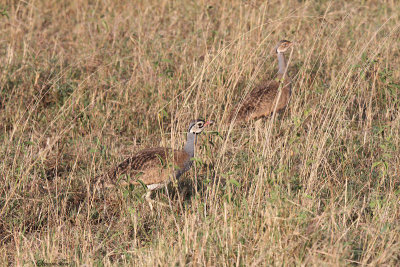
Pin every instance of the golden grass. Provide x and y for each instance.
(83, 84)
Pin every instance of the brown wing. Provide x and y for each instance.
(151, 166)
(261, 101)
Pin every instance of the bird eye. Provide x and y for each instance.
(200, 124)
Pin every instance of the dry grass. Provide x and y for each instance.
(84, 84)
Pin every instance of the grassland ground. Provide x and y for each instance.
(84, 84)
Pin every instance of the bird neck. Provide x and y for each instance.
(282, 72)
(190, 143)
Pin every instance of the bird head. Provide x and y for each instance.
(198, 126)
(283, 46)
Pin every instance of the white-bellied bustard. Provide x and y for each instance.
(269, 95)
(154, 166)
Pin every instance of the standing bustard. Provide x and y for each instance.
(262, 100)
(152, 165)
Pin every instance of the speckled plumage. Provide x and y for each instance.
(151, 166)
(262, 100)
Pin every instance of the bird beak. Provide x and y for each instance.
(208, 123)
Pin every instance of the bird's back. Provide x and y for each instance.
(151, 166)
(261, 101)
